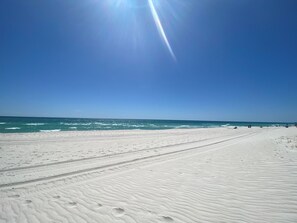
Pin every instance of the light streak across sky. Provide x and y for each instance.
(160, 28)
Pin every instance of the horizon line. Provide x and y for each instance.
(157, 119)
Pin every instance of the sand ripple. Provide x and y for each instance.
(248, 175)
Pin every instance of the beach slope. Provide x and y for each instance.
(181, 175)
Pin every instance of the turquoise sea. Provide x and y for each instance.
(36, 124)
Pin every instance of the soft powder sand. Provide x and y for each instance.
(197, 175)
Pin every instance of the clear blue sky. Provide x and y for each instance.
(235, 59)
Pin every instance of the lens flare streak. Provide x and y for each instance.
(160, 28)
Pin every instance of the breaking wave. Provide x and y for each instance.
(35, 124)
(13, 128)
(53, 130)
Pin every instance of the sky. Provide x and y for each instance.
(182, 59)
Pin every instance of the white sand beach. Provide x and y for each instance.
(180, 175)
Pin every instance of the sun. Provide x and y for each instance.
(151, 5)
(130, 3)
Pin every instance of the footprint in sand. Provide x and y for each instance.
(98, 206)
(14, 196)
(152, 213)
(167, 219)
(57, 197)
(118, 212)
(72, 204)
(28, 201)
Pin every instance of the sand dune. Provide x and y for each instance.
(197, 175)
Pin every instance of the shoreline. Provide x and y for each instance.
(144, 130)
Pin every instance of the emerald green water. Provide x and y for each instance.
(35, 124)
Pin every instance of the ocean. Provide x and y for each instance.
(37, 124)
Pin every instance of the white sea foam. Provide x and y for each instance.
(12, 128)
(116, 124)
(100, 123)
(184, 126)
(65, 123)
(34, 124)
(53, 130)
(2, 123)
(136, 126)
(69, 123)
(72, 127)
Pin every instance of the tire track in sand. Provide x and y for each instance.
(121, 163)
